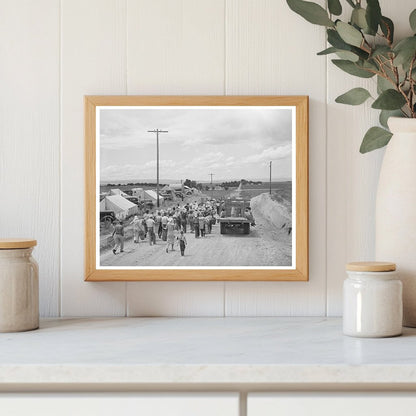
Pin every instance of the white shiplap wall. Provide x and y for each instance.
(55, 52)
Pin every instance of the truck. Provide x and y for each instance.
(236, 216)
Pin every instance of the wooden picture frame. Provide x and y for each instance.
(95, 270)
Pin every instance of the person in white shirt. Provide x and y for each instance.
(150, 224)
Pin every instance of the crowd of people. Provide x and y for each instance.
(170, 225)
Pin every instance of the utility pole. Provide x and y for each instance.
(270, 188)
(157, 131)
(212, 189)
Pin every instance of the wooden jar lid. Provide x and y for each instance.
(11, 243)
(371, 266)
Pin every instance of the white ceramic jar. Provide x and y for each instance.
(19, 286)
(372, 300)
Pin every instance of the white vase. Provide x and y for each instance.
(396, 210)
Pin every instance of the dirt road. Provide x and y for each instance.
(264, 246)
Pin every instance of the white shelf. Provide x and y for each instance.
(163, 352)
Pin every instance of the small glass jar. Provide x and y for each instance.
(19, 286)
(372, 300)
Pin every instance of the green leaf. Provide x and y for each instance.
(358, 18)
(405, 50)
(373, 15)
(350, 56)
(412, 20)
(386, 114)
(327, 51)
(387, 27)
(356, 96)
(311, 12)
(334, 7)
(352, 68)
(383, 84)
(389, 100)
(349, 34)
(370, 65)
(347, 55)
(336, 41)
(375, 138)
(381, 50)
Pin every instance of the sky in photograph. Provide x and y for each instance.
(232, 143)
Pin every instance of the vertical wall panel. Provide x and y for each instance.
(29, 135)
(93, 62)
(272, 51)
(175, 47)
(352, 177)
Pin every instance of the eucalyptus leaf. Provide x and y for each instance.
(405, 50)
(352, 68)
(412, 20)
(381, 50)
(375, 138)
(386, 114)
(334, 7)
(373, 65)
(336, 41)
(383, 84)
(358, 18)
(347, 55)
(350, 56)
(389, 100)
(349, 34)
(356, 96)
(327, 51)
(311, 12)
(373, 15)
(387, 27)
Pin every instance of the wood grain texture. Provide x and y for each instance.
(29, 135)
(176, 47)
(93, 61)
(262, 60)
(301, 267)
(352, 178)
(13, 243)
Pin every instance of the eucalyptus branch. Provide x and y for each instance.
(412, 85)
(366, 40)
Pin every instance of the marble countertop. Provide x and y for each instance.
(203, 351)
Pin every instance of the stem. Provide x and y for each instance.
(412, 86)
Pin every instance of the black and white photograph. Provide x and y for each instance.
(195, 187)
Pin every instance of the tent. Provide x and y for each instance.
(138, 193)
(121, 206)
(117, 192)
(152, 196)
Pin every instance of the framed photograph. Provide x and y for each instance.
(196, 188)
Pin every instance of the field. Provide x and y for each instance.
(280, 190)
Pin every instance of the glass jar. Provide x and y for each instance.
(19, 286)
(372, 300)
